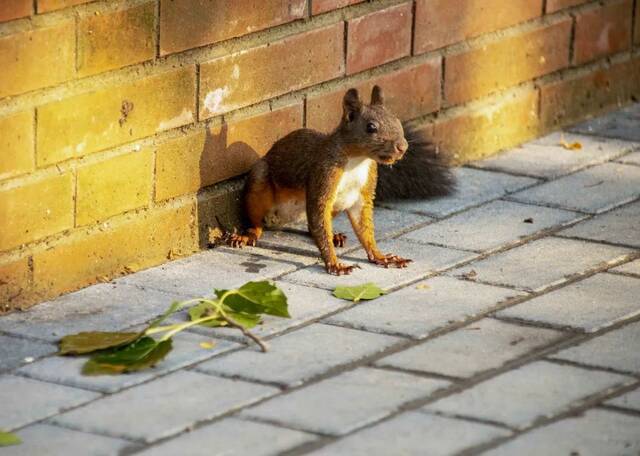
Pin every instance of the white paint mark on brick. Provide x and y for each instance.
(185, 117)
(214, 100)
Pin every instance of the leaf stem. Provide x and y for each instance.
(263, 346)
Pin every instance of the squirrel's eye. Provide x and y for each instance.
(371, 128)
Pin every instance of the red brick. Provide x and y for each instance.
(50, 5)
(557, 5)
(267, 71)
(409, 93)
(14, 9)
(187, 164)
(508, 62)
(37, 58)
(114, 40)
(603, 31)
(443, 22)
(322, 6)
(186, 24)
(573, 99)
(475, 133)
(378, 38)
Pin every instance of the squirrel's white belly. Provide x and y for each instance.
(353, 179)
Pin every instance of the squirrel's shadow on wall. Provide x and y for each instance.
(222, 168)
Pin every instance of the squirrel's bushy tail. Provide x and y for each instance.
(422, 173)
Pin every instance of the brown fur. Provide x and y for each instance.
(310, 165)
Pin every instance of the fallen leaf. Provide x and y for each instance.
(141, 354)
(422, 286)
(8, 439)
(214, 236)
(569, 146)
(88, 342)
(366, 291)
(207, 345)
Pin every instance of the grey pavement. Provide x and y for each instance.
(515, 331)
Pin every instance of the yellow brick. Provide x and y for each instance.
(187, 164)
(108, 41)
(141, 241)
(90, 122)
(36, 210)
(14, 283)
(16, 144)
(34, 59)
(113, 186)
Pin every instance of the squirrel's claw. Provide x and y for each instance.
(341, 269)
(339, 239)
(391, 260)
(238, 241)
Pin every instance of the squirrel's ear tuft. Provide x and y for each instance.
(377, 97)
(351, 104)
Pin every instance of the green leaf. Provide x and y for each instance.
(8, 439)
(366, 291)
(88, 342)
(257, 298)
(244, 319)
(172, 309)
(205, 309)
(142, 354)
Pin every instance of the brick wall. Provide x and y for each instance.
(124, 124)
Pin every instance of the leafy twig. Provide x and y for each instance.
(263, 346)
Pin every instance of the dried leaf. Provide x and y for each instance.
(207, 345)
(422, 286)
(570, 146)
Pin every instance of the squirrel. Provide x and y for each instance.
(320, 175)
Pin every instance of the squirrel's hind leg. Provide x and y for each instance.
(258, 201)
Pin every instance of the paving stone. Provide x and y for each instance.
(414, 433)
(597, 433)
(44, 439)
(25, 401)
(486, 344)
(518, 397)
(630, 159)
(590, 304)
(346, 402)
(14, 351)
(619, 226)
(232, 436)
(199, 274)
(419, 310)
(592, 190)
(619, 124)
(633, 268)
(542, 263)
(103, 307)
(547, 158)
(301, 355)
(617, 349)
(492, 225)
(163, 407)
(630, 400)
(305, 304)
(68, 370)
(475, 186)
(427, 259)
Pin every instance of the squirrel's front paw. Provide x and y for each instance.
(390, 260)
(339, 239)
(239, 240)
(341, 269)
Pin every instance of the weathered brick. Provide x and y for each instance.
(14, 281)
(36, 210)
(409, 93)
(378, 38)
(14, 9)
(603, 31)
(556, 5)
(188, 24)
(322, 6)
(508, 62)
(141, 241)
(113, 186)
(117, 39)
(266, 71)
(475, 133)
(37, 58)
(16, 144)
(208, 156)
(50, 5)
(93, 121)
(570, 100)
(443, 22)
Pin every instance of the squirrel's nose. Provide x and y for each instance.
(402, 146)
